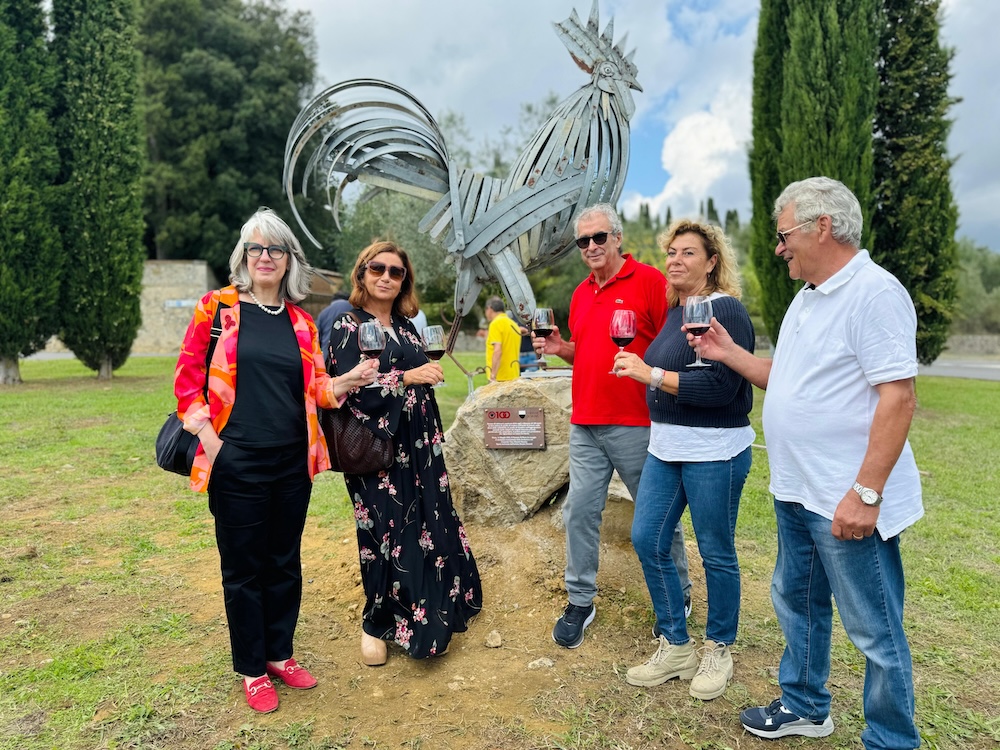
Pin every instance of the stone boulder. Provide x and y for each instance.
(505, 486)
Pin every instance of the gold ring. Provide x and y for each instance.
(856, 537)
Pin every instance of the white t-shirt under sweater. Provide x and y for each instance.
(837, 341)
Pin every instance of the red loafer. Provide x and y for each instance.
(293, 675)
(261, 695)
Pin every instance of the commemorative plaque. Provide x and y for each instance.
(522, 429)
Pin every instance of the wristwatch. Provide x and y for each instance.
(868, 495)
(655, 378)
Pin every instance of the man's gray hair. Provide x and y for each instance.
(823, 196)
(273, 231)
(604, 209)
(495, 304)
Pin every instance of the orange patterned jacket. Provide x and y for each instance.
(189, 378)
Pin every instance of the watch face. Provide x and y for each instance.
(869, 497)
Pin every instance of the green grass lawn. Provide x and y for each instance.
(94, 541)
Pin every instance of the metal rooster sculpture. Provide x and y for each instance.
(493, 229)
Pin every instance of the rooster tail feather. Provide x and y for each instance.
(508, 270)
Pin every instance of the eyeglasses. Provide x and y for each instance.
(783, 236)
(396, 273)
(255, 250)
(599, 239)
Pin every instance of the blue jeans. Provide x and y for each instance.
(595, 451)
(711, 489)
(866, 578)
(528, 361)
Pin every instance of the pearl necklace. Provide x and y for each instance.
(268, 310)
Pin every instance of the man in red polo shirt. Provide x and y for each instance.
(609, 427)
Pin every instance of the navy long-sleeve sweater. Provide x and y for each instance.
(710, 397)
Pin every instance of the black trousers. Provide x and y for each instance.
(259, 498)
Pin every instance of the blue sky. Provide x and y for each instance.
(691, 129)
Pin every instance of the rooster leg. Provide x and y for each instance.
(453, 335)
(506, 268)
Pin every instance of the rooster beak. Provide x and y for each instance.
(634, 84)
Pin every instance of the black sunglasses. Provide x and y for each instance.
(783, 235)
(396, 273)
(255, 250)
(599, 239)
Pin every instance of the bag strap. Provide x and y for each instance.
(214, 335)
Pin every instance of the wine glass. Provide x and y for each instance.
(433, 337)
(698, 319)
(622, 330)
(542, 323)
(371, 341)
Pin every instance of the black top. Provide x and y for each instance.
(270, 407)
(707, 397)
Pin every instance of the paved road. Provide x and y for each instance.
(975, 369)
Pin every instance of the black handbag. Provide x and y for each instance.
(354, 449)
(175, 446)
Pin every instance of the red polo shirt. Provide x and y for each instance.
(599, 397)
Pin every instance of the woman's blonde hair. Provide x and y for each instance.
(406, 302)
(725, 277)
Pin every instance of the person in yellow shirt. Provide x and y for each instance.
(503, 343)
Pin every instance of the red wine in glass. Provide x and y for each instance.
(371, 342)
(622, 341)
(697, 319)
(434, 345)
(542, 324)
(622, 330)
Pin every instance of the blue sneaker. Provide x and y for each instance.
(771, 722)
(569, 628)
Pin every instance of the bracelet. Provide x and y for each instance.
(655, 378)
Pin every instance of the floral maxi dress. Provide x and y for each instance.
(420, 578)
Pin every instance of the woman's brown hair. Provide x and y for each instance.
(406, 302)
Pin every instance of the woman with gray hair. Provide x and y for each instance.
(260, 441)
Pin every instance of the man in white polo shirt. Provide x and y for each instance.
(839, 402)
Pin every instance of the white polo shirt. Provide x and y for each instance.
(837, 341)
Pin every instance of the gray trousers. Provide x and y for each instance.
(595, 452)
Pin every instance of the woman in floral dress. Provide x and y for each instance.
(420, 577)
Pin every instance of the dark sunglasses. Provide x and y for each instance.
(396, 273)
(599, 239)
(255, 250)
(783, 236)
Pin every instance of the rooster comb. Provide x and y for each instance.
(588, 46)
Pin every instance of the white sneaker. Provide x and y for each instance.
(668, 662)
(714, 672)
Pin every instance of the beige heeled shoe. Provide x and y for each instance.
(373, 650)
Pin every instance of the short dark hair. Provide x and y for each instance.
(495, 304)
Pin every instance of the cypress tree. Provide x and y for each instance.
(766, 183)
(915, 216)
(30, 248)
(829, 92)
(99, 128)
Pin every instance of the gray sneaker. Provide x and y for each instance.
(773, 721)
(667, 662)
(714, 672)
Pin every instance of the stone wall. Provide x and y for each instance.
(170, 290)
